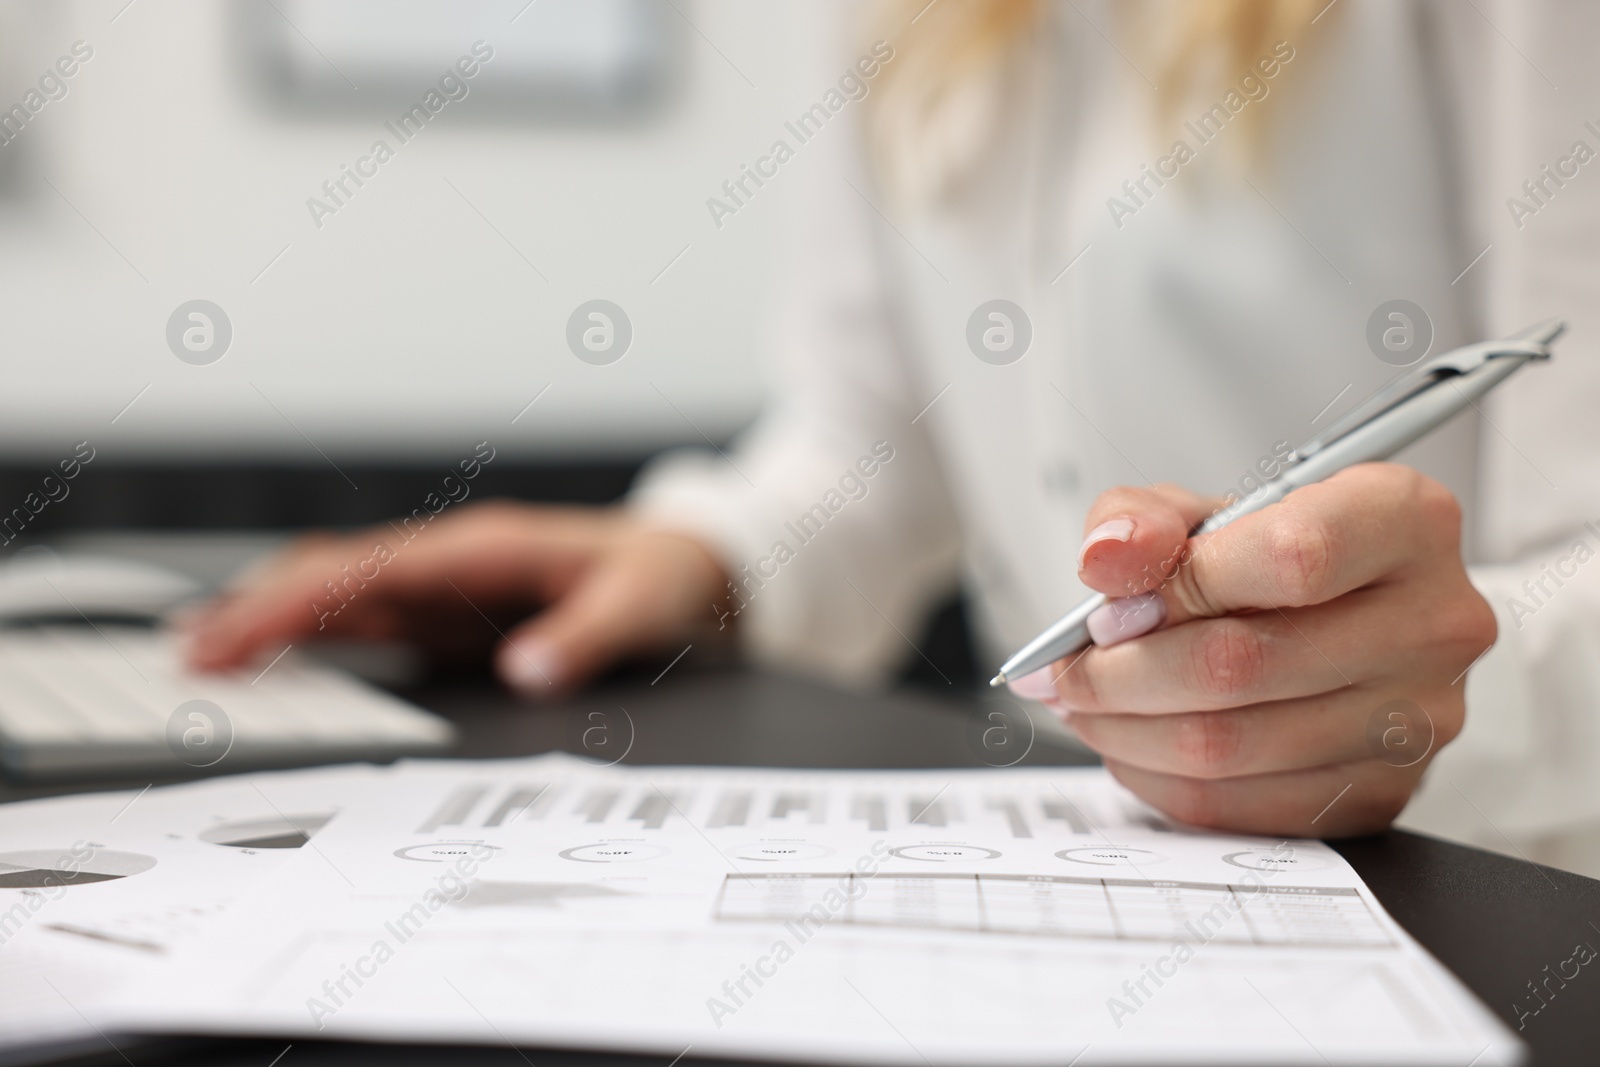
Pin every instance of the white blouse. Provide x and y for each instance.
(1183, 331)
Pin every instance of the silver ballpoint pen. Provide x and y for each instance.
(1403, 411)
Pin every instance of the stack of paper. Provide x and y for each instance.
(1009, 916)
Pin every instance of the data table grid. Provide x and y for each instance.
(1061, 906)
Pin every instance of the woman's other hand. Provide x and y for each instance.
(597, 584)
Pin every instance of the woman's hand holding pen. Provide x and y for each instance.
(1239, 685)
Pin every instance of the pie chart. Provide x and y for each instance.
(46, 868)
(282, 831)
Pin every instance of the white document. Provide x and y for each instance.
(1020, 916)
(96, 891)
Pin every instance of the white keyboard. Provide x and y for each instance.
(104, 699)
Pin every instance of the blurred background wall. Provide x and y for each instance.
(430, 307)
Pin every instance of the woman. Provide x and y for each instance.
(1073, 266)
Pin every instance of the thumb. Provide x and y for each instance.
(573, 639)
(1137, 537)
(642, 596)
(1137, 540)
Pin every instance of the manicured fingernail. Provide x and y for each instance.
(531, 666)
(1127, 617)
(1035, 686)
(1111, 530)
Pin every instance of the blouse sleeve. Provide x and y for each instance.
(830, 511)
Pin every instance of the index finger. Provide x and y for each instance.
(488, 554)
(1322, 541)
(274, 600)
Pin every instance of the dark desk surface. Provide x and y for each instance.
(1496, 922)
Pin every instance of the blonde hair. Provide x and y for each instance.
(937, 104)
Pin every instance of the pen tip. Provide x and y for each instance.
(998, 680)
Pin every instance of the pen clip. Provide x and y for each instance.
(1451, 364)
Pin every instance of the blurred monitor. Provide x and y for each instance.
(568, 59)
